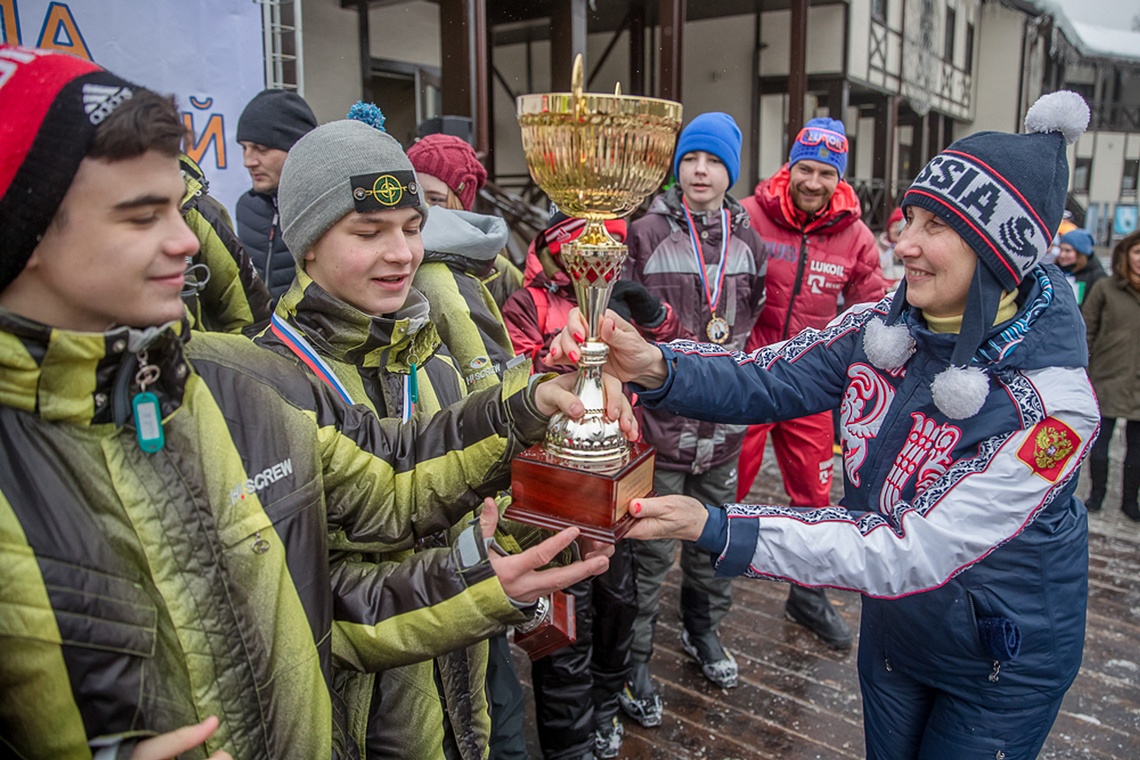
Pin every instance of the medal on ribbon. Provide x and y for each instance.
(717, 329)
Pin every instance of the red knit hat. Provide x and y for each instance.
(453, 161)
(50, 107)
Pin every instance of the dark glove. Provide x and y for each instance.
(636, 304)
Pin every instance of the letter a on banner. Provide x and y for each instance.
(60, 32)
(9, 22)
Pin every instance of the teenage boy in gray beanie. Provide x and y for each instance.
(268, 127)
(352, 211)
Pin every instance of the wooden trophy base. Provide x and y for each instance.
(557, 630)
(549, 493)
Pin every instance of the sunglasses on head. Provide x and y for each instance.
(834, 141)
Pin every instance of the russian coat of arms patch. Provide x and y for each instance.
(1048, 448)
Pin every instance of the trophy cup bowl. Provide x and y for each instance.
(597, 156)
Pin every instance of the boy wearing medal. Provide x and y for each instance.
(696, 251)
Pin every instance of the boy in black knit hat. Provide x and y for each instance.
(267, 129)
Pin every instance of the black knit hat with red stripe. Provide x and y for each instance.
(1004, 194)
(51, 105)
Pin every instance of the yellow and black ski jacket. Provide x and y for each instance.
(141, 592)
(223, 293)
(423, 707)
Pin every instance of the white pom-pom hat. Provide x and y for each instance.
(1004, 194)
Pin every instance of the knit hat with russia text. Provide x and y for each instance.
(1004, 194)
(51, 105)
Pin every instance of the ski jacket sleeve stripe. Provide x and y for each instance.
(390, 614)
(977, 505)
(378, 471)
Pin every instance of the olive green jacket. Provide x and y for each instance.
(1112, 312)
(141, 592)
(223, 292)
(430, 708)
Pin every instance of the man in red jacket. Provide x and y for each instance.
(818, 249)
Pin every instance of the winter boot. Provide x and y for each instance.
(717, 663)
(639, 699)
(607, 738)
(810, 608)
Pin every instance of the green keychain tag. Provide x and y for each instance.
(148, 422)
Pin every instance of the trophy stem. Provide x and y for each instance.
(590, 441)
(594, 262)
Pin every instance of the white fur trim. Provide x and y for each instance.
(1063, 111)
(887, 347)
(959, 392)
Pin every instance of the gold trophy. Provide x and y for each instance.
(597, 156)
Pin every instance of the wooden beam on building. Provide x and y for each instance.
(568, 31)
(364, 41)
(757, 94)
(637, 48)
(671, 15)
(797, 69)
(882, 161)
(465, 72)
(455, 48)
(481, 80)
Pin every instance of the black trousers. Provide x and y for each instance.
(576, 687)
(1098, 461)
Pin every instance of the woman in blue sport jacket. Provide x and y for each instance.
(965, 414)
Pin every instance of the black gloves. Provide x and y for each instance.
(636, 304)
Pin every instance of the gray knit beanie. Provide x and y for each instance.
(338, 168)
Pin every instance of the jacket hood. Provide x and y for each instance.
(774, 197)
(475, 236)
(535, 275)
(1047, 331)
(668, 204)
(393, 341)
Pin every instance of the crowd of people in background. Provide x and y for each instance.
(252, 475)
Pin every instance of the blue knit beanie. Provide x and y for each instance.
(822, 140)
(1081, 240)
(714, 132)
(1004, 194)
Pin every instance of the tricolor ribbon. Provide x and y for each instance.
(712, 295)
(296, 343)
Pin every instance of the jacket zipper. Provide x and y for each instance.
(799, 283)
(272, 236)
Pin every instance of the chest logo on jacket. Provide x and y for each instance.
(925, 456)
(261, 480)
(1048, 448)
(864, 406)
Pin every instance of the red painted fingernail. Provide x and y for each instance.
(635, 507)
(573, 356)
(579, 337)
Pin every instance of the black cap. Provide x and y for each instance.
(275, 119)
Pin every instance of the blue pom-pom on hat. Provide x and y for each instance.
(368, 113)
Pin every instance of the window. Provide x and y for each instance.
(1082, 172)
(879, 10)
(969, 65)
(1131, 176)
(948, 42)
